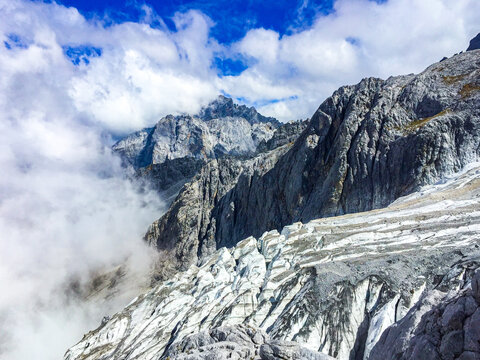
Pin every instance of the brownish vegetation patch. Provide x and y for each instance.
(416, 124)
(468, 89)
(449, 80)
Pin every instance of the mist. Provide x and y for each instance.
(67, 211)
(69, 87)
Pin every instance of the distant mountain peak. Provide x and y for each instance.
(474, 43)
(224, 106)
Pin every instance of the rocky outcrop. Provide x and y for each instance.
(238, 342)
(168, 155)
(443, 325)
(332, 285)
(221, 128)
(185, 229)
(285, 134)
(474, 43)
(366, 145)
(224, 107)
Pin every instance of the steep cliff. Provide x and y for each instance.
(443, 325)
(366, 145)
(220, 128)
(168, 155)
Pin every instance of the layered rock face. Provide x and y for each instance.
(220, 128)
(332, 285)
(365, 146)
(171, 153)
(185, 229)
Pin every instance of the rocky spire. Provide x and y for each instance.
(224, 106)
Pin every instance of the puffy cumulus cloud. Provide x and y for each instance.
(69, 84)
(359, 38)
(67, 210)
(141, 73)
(145, 73)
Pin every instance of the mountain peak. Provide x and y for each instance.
(224, 106)
(474, 43)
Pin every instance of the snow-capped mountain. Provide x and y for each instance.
(354, 235)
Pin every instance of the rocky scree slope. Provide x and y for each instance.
(445, 324)
(332, 285)
(366, 146)
(239, 342)
(173, 151)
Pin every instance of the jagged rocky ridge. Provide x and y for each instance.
(220, 128)
(336, 284)
(332, 285)
(171, 153)
(366, 145)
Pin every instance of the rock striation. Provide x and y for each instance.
(332, 285)
(365, 146)
(185, 229)
(220, 128)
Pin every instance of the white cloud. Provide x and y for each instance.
(142, 74)
(360, 38)
(65, 208)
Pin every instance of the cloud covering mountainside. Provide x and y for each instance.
(124, 76)
(70, 86)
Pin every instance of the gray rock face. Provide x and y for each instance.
(474, 43)
(186, 228)
(331, 285)
(238, 342)
(171, 153)
(365, 146)
(221, 128)
(285, 134)
(224, 107)
(444, 325)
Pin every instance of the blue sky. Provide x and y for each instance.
(232, 18)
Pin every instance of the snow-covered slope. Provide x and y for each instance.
(332, 284)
